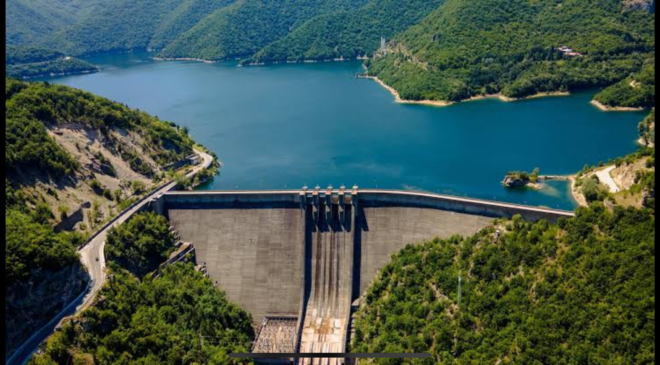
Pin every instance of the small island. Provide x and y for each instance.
(518, 179)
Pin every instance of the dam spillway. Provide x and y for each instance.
(308, 254)
(329, 222)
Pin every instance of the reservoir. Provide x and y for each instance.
(285, 126)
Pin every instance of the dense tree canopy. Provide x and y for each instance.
(30, 21)
(647, 128)
(580, 291)
(31, 107)
(468, 48)
(28, 62)
(633, 92)
(141, 244)
(442, 49)
(249, 25)
(177, 318)
(31, 246)
(347, 34)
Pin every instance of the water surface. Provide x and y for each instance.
(286, 126)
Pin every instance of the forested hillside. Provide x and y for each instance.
(117, 26)
(347, 34)
(634, 91)
(182, 18)
(580, 291)
(29, 62)
(29, 21)
(175, 317)
(249, 25)
(468, 48)
(141, 244)
(72, 161)
(208, 29)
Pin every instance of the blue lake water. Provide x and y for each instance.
(286, 126)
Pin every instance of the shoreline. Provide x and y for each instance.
(397, 97)
(443, 103)
(579, 198)
(605, 108)
(59, 74)
(183, 59)
(310, 61)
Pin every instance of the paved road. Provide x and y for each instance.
(605, 177)
(96, 269)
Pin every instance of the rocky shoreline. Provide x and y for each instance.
(607, 108)
(443, 103)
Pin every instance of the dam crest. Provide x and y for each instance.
(300, 260)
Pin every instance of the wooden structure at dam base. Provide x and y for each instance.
(298, 259)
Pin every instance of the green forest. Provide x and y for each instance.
(637, 90)
(32, 107)
(580, 291)
(247, 26)
(465, 49)
(32, 249)
(141, 244)
(177, 318)
(35, 257)
(446, 50)
(29, 21)
(347, 34)
(647, 128)
(30, 62)
(42, 267)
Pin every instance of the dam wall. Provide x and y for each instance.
(273, 251)
(253, 249)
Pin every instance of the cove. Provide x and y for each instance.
(285, 126)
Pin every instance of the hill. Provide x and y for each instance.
(29, 21)
(247, 26)
(582, 290)
(117, 26)
(29, 62)
(129, 25)
(516, 48)
(178, 317)
(174, 316)
(636, 91)
(348, 34)
(72, 161)
(208, 29)
(182, 18)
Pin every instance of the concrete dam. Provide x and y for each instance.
(298, 260)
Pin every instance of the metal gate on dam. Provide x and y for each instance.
(298, 260)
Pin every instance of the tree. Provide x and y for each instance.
(140, 244)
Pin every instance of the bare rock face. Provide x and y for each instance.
(646, 5)
(515, 182)
(511, 182)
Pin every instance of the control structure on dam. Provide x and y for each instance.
(329, 221)
(297, 260)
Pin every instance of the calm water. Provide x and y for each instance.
(290, 125)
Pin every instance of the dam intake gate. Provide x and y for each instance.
(298, 260)
(329, 219)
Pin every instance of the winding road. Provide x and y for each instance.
(606, 178)
(96, 269)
